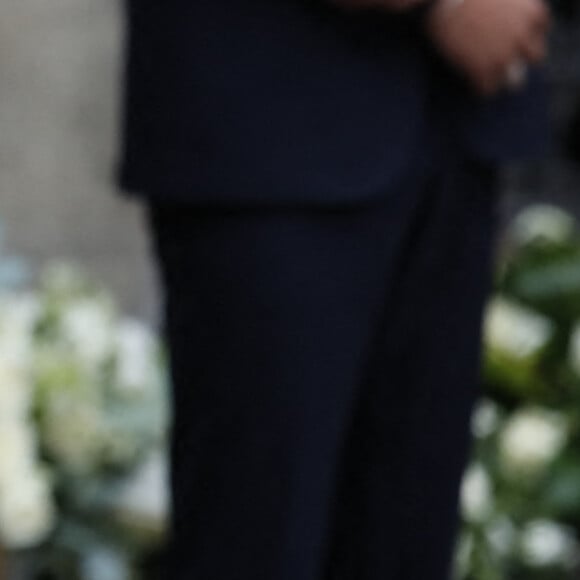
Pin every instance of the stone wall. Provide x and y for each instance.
(59, 72)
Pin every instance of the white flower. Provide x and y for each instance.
(531, 439)
(18, 450)
(120, 446)
(462, 557)
(16, 391)
(136, 357)
(514, 330)
(105, 563)
(476, 494)
(485, 419)
(27, 512)
(18, 316)
(546, 543)
(501, 534)
(574, 349)
(88, 327)
(16, 349)
(19, 311)
(72, 431)
(542, 222)
(144, 498)
(57, 368)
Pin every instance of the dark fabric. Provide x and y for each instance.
(324, 366)
(571, 137)
(293, 101)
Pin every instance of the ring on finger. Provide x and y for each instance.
(516, 75)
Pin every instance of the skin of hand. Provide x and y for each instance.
(482, 38)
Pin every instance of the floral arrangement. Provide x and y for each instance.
(83, 417)
(521, 494)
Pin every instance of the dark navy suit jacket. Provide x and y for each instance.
(296, 101)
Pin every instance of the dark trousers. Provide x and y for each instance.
(325, 363)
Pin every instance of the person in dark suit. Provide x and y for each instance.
(320, 184)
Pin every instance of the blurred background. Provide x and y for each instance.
(83, 409)
(60, 64)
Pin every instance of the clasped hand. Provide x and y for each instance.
(489, 41)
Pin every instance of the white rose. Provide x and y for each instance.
(463, 554)
(136, 357)
(18, 450)
(57, 369)
(73, 431)
(546, 543)
(514, 330)
(485, 419)
(530, 440)
(476, 494)
(144, 498)
(105, 563)
(16, 390)
(27, 512)
(18, 317)
(502, 535)
(88, 327)
(542, 222)
(19, 312)
(121, 447)
(574, 349)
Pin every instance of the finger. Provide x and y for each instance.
(534, 50)
(488, 82)
(541, 16)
